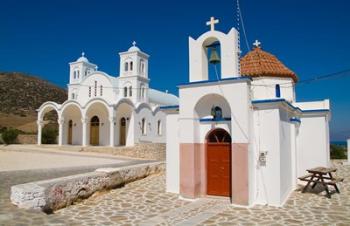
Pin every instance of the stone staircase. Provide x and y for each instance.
(194, 213)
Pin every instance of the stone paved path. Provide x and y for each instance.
(61, 165)
(145, 202)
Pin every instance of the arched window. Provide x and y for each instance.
(126, 66)
(89, 91)
(219, 136)
(278, 90)
(101, 90)
(142, 66)
(130, 91)
(73, 96)
(75, 74)
(95, 121)
(125, 91)
(143, 92)
(95, 89)
(159, 127)
(143, 126)
(78, 74)
(131, 66)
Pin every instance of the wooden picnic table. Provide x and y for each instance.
(321, 175)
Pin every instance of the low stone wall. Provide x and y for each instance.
(51, 195)
(27, 139)
(152, 151)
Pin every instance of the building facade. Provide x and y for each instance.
(242, 134)
(109, 110)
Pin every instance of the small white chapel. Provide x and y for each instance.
(242, 135)
(105, 110)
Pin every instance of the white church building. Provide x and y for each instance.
(242, 135)
(110, 110)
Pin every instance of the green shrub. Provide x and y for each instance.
(2, 129)
(9, 136)
(338, 152)
(49, 135)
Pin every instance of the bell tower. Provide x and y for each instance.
(133, 77)
(134, 62)
(80, 68)
(216, 48)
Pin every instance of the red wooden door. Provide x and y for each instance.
(219, 168)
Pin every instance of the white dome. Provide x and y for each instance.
(133, 48)
(82, 58)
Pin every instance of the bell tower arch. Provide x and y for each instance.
(201, 53)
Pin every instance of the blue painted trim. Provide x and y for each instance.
(315, 110)
(289, 104)
(214, 120)
(247, 78)
(294, 119)
(274, 101)
(268, 101)
(169, 107)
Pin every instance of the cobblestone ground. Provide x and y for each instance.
(11, 215)
(145, 202)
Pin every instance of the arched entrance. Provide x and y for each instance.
(219, 163)
(70, 132)
(94, 130)
(122, 132)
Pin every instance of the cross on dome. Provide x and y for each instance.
(257, 44)
(83, 54)
(134, 43)
(212, 23)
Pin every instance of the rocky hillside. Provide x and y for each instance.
(21, 94)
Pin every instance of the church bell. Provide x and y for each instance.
(214, 56)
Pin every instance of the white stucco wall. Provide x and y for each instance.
(151, 126)
(268, 178)
(312, 105)
(238, 99)
(265, 88)
(312, 144)
(286, 166)
(172, 154)
(348, 141)
(107, 94)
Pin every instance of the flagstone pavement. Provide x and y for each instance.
(145, 202)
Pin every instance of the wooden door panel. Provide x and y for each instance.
(219, 169)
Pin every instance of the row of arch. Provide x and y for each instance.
(48, 106)
(95, 124)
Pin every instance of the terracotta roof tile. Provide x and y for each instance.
(258, 63)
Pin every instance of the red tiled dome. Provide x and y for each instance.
(258, 63)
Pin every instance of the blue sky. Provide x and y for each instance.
(310, 37)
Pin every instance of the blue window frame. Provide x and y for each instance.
(278, 90)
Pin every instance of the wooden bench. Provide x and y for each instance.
(304, 178)
(335, 180)
(323, 176)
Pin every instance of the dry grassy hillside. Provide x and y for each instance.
(21, 95)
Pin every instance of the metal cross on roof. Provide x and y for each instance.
(83, 54)
(257, 44)
(212, 23)
(134, 43)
